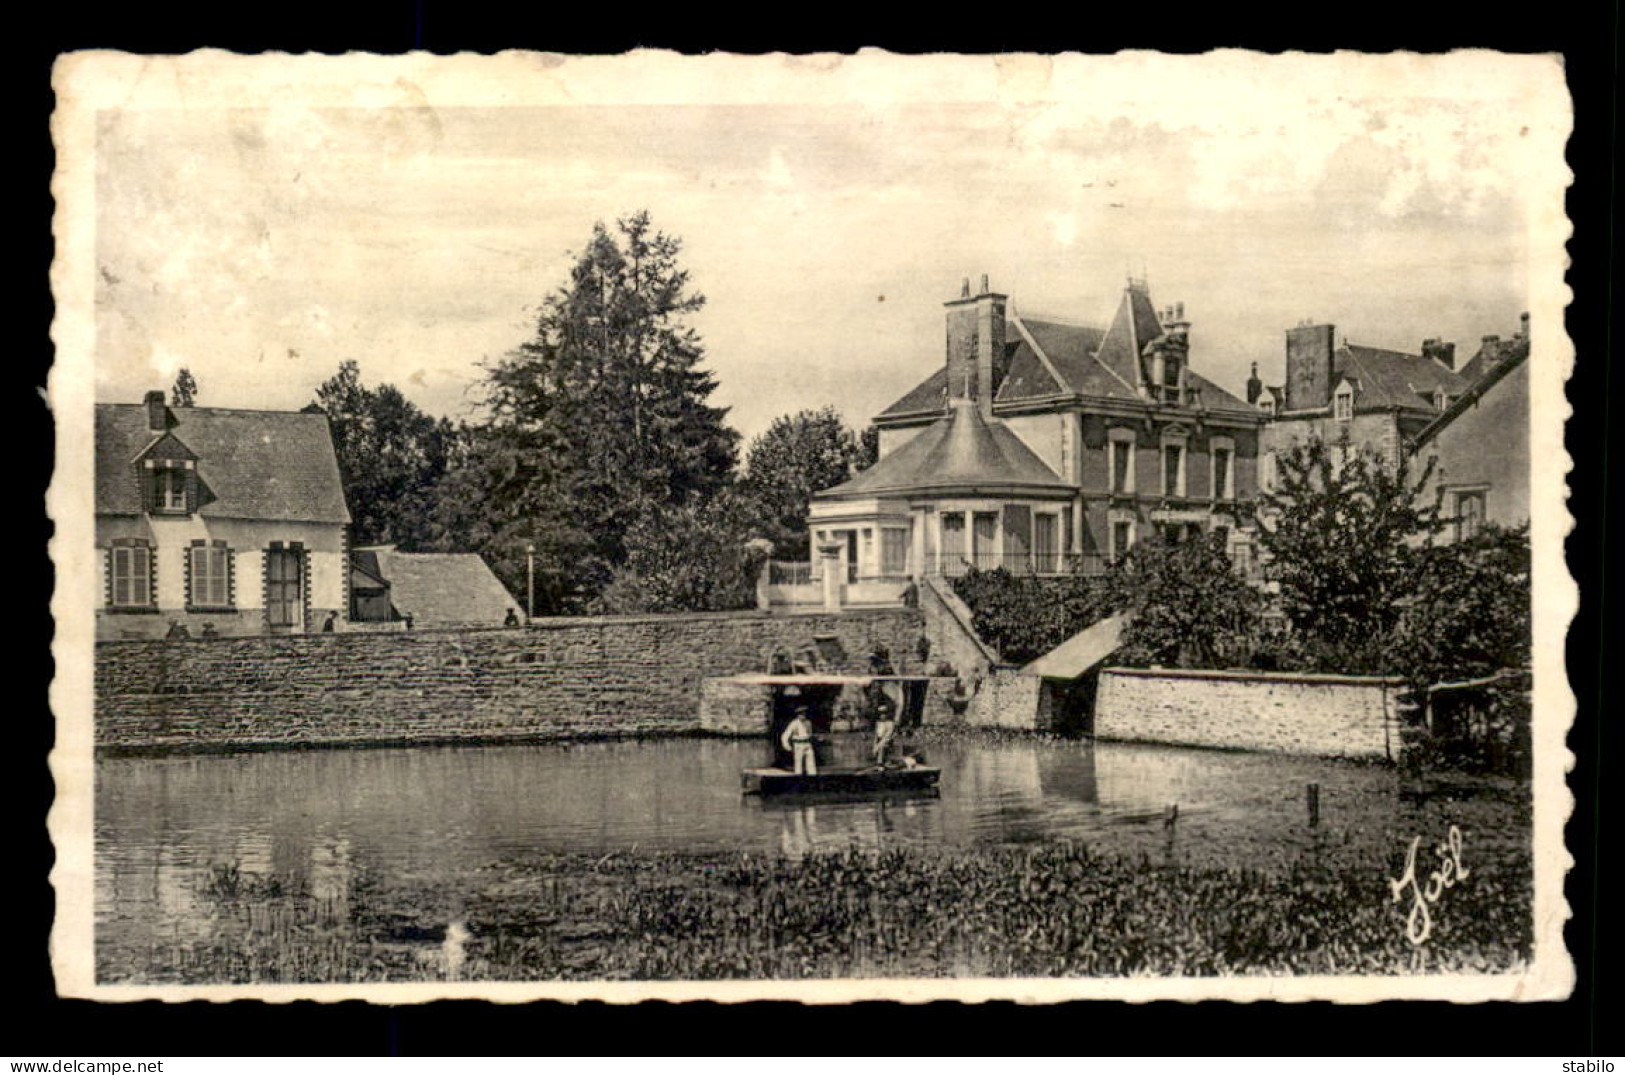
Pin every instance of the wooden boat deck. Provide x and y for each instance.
(842, 781)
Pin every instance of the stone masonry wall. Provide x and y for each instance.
(1341, 716)
(612, 676)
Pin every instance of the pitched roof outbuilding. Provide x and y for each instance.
(274, 465)
(442, 588)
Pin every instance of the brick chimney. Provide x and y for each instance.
(1255, 387)
(157, 413)
(976, 333)
(1523, 325)
(1441, 351)
(1308, 366)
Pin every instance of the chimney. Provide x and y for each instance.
(1255, 387)
(976, 334)
(1440, 351)
(157, 413)
(1523, 325)
(1308, 366)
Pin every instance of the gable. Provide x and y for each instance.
(166, 447)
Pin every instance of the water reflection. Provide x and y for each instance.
(177, 837)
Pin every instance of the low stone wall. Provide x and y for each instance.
(556, 679)
(1340, 716)
(1008, 699)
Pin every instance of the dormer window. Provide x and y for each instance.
(1267, 404)
(171, 490)
(1170, 379)
(1343, 404)
(170, 486)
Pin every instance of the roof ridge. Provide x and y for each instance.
(1070, 322)
(226, 410)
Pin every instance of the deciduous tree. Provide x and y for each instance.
(391, 457)
(1340, 532)
(799, 455)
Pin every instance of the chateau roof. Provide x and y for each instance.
(1045, 357)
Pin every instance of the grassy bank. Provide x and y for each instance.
(1045, 910)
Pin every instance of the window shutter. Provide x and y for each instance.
(191, 490)
(118, 563)
(148, 477)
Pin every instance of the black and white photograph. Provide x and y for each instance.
(822, 528)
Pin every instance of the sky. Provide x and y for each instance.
(261, 246)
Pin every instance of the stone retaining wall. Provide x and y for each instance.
(565, 678)
(1341, 716)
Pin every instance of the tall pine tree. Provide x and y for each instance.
(601, 420)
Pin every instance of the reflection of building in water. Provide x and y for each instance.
(1070, 775)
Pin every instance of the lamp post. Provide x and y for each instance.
(530, 582)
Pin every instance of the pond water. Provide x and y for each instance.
(162, 824)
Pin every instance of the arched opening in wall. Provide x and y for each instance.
(1072, 704)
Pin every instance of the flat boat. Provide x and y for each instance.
(843, 781)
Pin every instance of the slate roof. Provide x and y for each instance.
(442, 588)
(961, 453)
(1393, 378)
(1491, 354)
(1134, 325)
(273, 465)
(1510, 357)
(1073, 360)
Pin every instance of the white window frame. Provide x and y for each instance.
(132, 577)
(1458, 495)
(1214, 447)
(1182, 442)
(1343, 403)
(1057, 554)
(1113, 520)
(1115, 436)
(943, 552)
(901, 567)
(198, 599)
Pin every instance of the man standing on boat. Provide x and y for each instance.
(798, 740)
(881, 704)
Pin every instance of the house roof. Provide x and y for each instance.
(1511, 358)
(1491, 354)
(442, 587)
(1133, 326)
(961, 453)
(274, 465)
(1047, 357)
(1393, 378)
